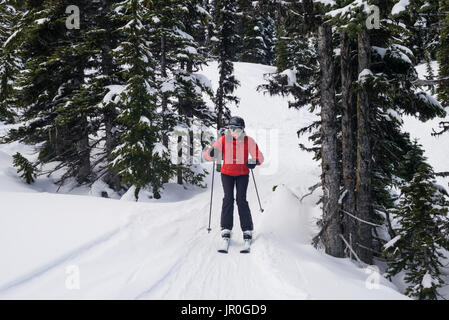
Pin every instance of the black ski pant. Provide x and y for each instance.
(227, 211)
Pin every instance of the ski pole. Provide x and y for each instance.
(211, 194)
(255, 185)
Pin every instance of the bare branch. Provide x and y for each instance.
(312, 189)
(361, 220)
(352, 250)
(425, 82)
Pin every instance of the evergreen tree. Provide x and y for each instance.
(102, 88)
(421, 216)
(388, 79)
(388, 84)
(180, 57)
(86, 95)
(281, 50)
(190, 87)
(443, 60)
(226, 17)
(296, 59)
(141, 158)
(57, 117)
(421, 18)
(429, 70)
(25, 168)
(267, 25)
(277, 13)
(10, 63)
(206, 32)
(256, 30)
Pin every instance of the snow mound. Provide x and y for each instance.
(284, 217)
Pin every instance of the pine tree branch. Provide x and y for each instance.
(442, 174)
(390, 227)
(444, 125)
(426, 82)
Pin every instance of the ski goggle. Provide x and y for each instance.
(235, 129)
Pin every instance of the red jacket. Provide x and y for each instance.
(235, 152)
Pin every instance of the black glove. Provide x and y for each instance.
(213, 152)
(222, 132)
(252, 165)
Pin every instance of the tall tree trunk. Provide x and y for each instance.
(83, 168)
(220, 101)
(348, 139)
(110, 114)
(186, 109)
(164, 102)
(220, 110)
(111, 177)
(363, 185)
(331, 178)
(179, 170)
(83, 151)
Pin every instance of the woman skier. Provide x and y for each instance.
(233, 147)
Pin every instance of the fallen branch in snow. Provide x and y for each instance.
(352, 250)
(312, 189)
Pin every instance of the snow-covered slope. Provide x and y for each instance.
(161, 249)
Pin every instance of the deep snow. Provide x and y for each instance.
(161, 249)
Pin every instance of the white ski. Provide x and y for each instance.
(246, 246)
(224, 245)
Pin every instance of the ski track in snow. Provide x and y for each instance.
(64, 259)
(163, 250)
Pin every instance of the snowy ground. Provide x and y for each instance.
(121, 249)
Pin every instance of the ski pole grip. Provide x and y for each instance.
(252, 161)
